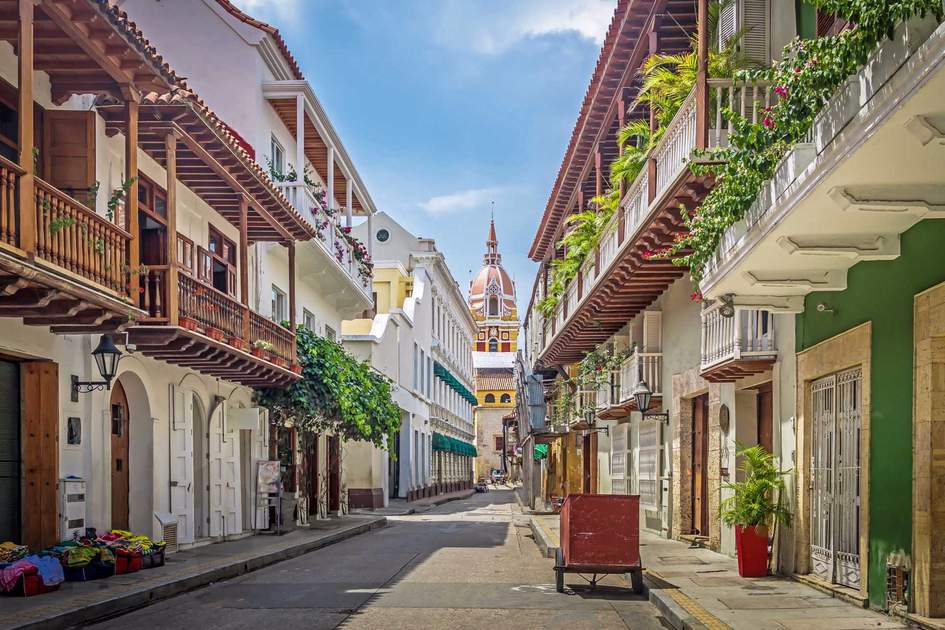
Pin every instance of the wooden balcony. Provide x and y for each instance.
(737, 346)
(61, 264)
(211, 332)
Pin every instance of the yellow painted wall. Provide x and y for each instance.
(481, 397)
(392, 287)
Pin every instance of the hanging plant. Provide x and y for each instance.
(808, 75)
(337, 393)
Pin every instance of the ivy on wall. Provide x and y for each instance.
(809, 73)
(337, 393)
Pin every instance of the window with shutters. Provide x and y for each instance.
(216, 265)
(499, 443)
(747, 22)
(308, 319)
(68, 151)
(185, 254)
(279, 301)
(277, 155)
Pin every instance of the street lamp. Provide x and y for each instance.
(106, 356)
(590, 418)
(642, 396)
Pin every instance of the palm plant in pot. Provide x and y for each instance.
(755, 506)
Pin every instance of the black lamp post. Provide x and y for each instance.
(106, 356)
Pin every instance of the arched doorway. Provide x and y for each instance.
(201, 442)
(118, 412)
(132, 441)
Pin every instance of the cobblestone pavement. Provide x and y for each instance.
(466, 564)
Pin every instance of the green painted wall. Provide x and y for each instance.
(883, 292)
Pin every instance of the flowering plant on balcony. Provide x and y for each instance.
(808, 75)
(360, 254)
(339, 252)
(337, 393)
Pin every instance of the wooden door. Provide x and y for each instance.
(766, 418)
(39, 403)
(586, 464)
(334, 474)
(10, 451)
(119, 427)
(311, 473)
(68, 152)
(700, 465)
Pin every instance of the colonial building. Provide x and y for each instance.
(420, 338)
(493, 307)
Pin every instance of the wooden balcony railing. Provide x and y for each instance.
(9, 225)
(210, 307)
(70, 235)
(281, 338)
(646, 365)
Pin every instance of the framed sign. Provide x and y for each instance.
(268, 477)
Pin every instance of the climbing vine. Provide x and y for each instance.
(591, 373)
(337, 393)
(807, 76)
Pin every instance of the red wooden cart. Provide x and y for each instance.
(600, 534)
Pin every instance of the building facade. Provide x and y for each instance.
(493, 307)
(422, 342)
(811, 331)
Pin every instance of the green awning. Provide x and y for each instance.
(447, 377)
(541, 451)
(452, 445)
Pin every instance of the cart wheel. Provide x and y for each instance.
(636, 580)
(559, 570)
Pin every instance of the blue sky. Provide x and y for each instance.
(447, 105)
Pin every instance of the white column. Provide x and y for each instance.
(300, 138)
(370, 240)
(330, 178)
(349, 201)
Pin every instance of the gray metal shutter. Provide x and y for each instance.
(9, 451)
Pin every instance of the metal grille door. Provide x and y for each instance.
(835, 478)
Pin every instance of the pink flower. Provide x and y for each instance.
(648, 254)
(696, 296)
(768, 122)
(781, 91)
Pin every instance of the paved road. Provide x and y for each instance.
(465, 564)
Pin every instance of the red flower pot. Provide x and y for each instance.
(214, 333)
(188, 322)
(297, 368)
(277, 361)
(751, 545)
(237, 343)
(260, 353)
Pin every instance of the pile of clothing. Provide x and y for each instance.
(48, 567)
(124, 541)
(79, 553)
(11, 552)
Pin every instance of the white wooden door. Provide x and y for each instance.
(224, 477)
(618, 460)
(181, 416)
(835, 478)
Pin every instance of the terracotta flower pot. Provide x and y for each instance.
(297, 368)
(751, 545)
(188, 322)
(237, 342)
(277, 361)
(260, 353)
(214, 333)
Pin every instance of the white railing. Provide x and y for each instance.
(300, 195)
(645, 365)
(675, 147)
(609, 392)
(748, 334)
(672, 155)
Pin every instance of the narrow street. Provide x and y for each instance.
(465, 564)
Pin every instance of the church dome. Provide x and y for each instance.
(492, 292)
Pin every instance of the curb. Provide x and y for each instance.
(678, 609)
(128, 602)
(543, 539)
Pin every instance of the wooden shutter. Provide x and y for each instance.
(652, 331)
(40, 411)
(728, 22)
(69, 150)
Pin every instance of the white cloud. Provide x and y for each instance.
(462, 200)
(491, 28)
(268, 9)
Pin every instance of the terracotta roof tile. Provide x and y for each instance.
(236, 12)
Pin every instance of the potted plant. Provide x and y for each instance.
(296, 367)
(214, 333)
(754, 506)
(237, 342)
(187, 322)
(276, 360)
(261, 349)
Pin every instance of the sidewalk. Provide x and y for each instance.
(698, 588)
(77, 603)
(400, 507)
